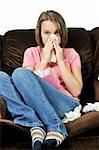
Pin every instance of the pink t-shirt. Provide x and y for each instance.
(32, 57)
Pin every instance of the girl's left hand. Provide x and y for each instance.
(58, 50)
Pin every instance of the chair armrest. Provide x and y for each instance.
(86, 122)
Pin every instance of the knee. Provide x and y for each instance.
(4, 75)
(20, 73)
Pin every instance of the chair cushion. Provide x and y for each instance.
(20, 138)
(85, 123)
(3, 109)
(12, 134)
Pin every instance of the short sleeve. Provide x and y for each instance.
(28, 59)
(74, 59)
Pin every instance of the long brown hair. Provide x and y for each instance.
(56, 18)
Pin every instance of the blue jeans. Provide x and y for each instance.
(33, 102)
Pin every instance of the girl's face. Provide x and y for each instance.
(47, 28)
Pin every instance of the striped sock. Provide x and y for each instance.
(53, 139)
(38, 136)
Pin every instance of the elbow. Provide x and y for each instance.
(77, 92)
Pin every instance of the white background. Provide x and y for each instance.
(23, 14)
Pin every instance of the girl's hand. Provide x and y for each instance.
(58, 50)
(46, 54)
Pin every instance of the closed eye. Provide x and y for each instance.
(46, 32)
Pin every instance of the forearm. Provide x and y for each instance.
(71, 82)
(42, 66)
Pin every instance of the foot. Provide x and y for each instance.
(53, 139)
(38, 136)
(50, 143)
(37, 145)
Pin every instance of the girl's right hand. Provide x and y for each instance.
(45, 56)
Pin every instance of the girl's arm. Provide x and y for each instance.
(45, 57)
(72, 78)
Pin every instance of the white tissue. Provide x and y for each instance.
(53, 57)
(53, 36)
(91, 107)
(72, 115)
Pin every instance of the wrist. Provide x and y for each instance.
(42, 66)
(61, 62)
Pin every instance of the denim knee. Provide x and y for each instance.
(18, 72)
(3, 75)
